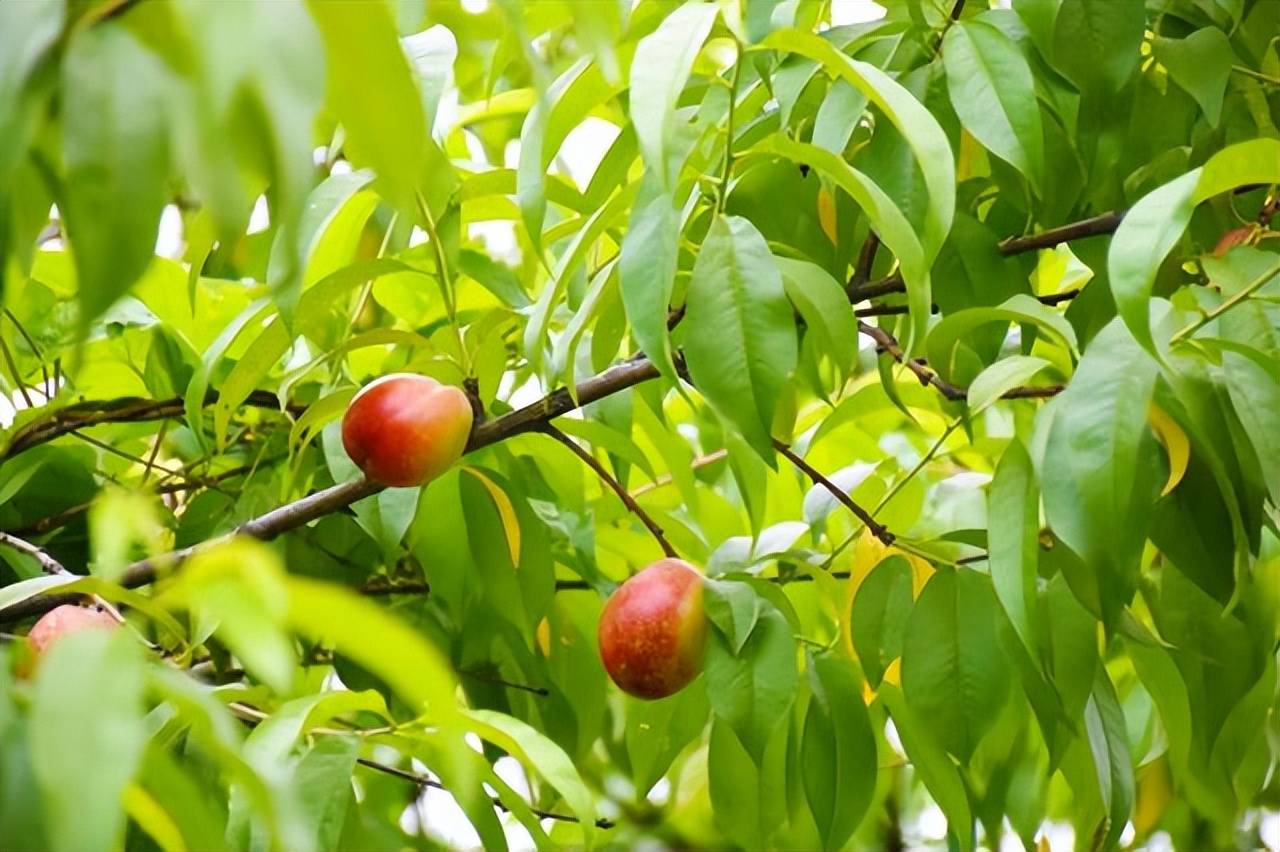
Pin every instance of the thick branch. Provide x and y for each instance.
(878, 529)
(615, 486)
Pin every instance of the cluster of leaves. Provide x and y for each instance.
(911, 332)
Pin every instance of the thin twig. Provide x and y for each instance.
(666, 478)
(427, 781)
(1105, 223)
(615, 486)
(17, 377)
(919, 466)
(35, 350)
(728, 142)
(1252, 287)
(497, 681)
(878, 529)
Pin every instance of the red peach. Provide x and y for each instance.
(65, 620)
(405, 429)
(653, 630)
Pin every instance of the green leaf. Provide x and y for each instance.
(1150, 230)
(566, 102)
(83, 761)
(532, 747)
(1154, 225)
(748, 795)
(323, 782)
(647, 270)
(1108, 737)
(659, 71)
(1000, 378)
(886, 218)
(1096, 472)
(432, 53)
(733, 608)
(658, 730)
(926, 138)
(953, 670)
(1200, 64)
(822, 303)
(372, 92)
(115, 93)
(838, 750)
(994, 94)
(753, 689)
(376, 640)
(263, 354)
(1013, 517)
(740, 339)
(935, 768)
(881, 608)
(1096, 43)
(947, 335)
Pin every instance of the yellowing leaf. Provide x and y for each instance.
(543, 637)
(144, 810)
(827, 213)
(510, 523)
(868, 552)
(1175, 444)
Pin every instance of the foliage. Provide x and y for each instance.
(911, 332)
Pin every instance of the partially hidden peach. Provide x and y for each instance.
(65, 620)
(653, 631)
(1231, 239)
(405, 429)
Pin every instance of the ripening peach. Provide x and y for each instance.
(653, 631)
(405, 429)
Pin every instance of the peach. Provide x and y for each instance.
(405, 429)
(653, 630)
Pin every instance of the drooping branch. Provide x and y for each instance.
(878, 529)
(615, 486)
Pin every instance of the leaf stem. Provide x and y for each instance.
(728, 142)
(445, 279)
(1230, 303)
(924, 460)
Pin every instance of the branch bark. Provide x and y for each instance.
(47, 563)
(616, 487)
(123, 410)
(878, 529)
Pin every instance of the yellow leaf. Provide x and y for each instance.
(868, 552)
(1155, 791)
(543, 637)
(153, 819)
(510, 523)
(827, 213)
(1175, 444)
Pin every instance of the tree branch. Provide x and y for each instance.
(889, 344)
(615, 486)
(427, 781)
(47, 563)
(878, 529)
(123, 410)
(1105, 223)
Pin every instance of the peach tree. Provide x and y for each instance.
(941, 337)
